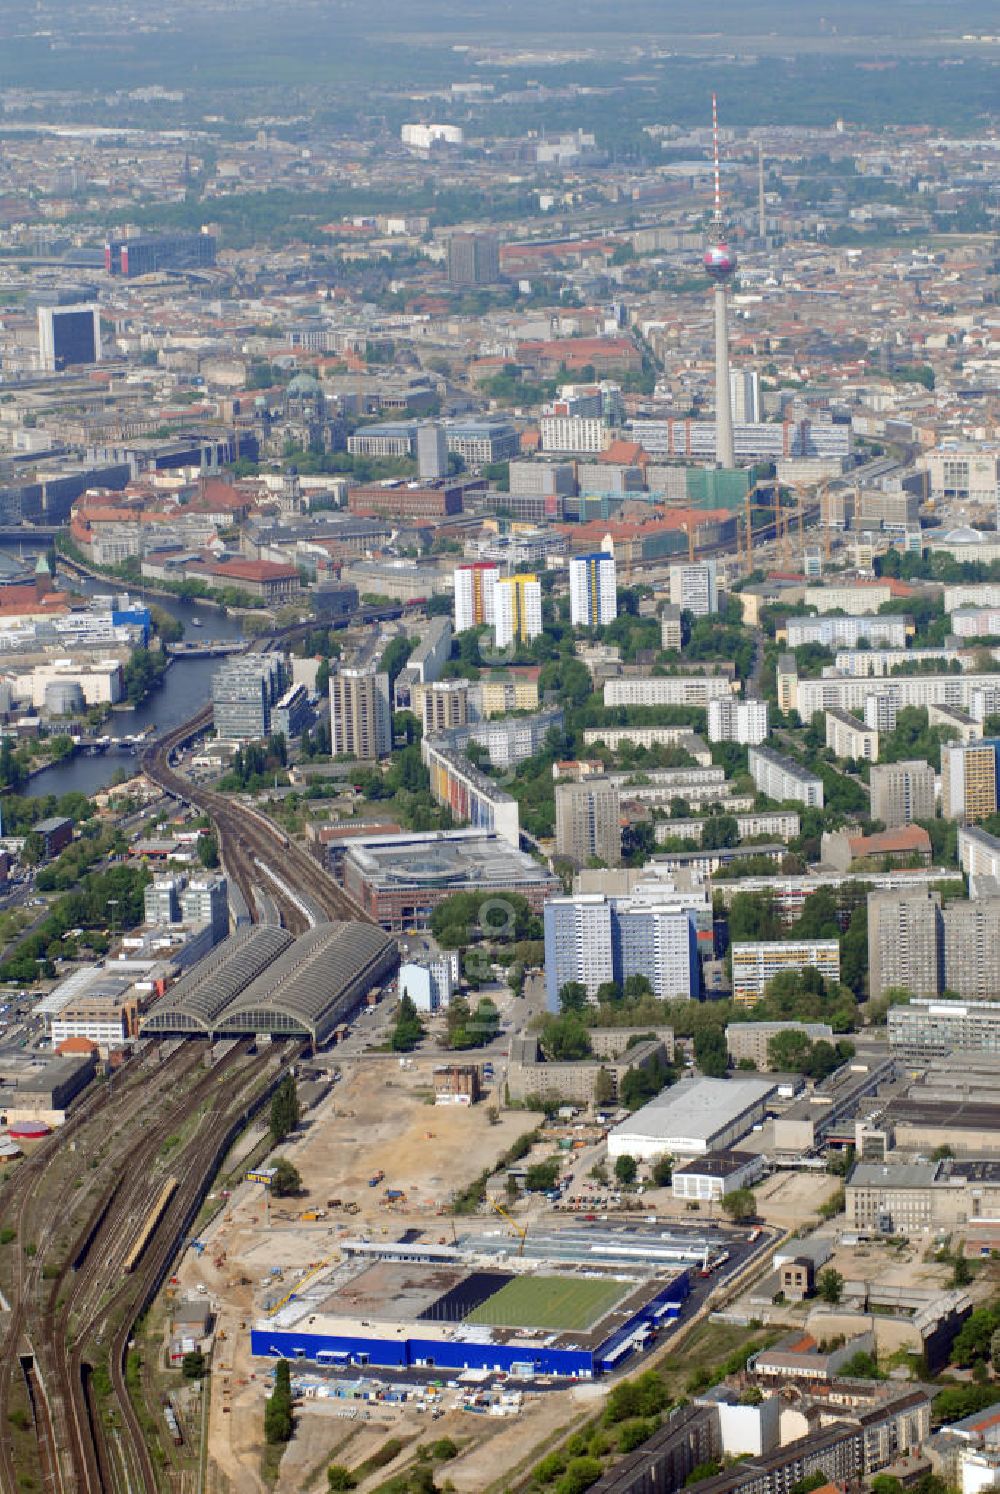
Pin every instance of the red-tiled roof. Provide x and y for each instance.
(576, 348)
(76, 1045)
(254, 570)
(223, 494)
(907, 838)
(629, 453)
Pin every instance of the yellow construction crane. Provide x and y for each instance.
(784, 516)
(820, 491)
(780, 523)
(521, 1230)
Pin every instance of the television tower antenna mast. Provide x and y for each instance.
(761, 199)
(717, 219)
(720, 262)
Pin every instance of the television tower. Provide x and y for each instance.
(720, 262)
(761, 199)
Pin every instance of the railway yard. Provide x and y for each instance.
(93, 1235)
(90, 1233)
(257, 856)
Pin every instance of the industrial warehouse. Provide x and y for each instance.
(425, 1307)
(262, 980)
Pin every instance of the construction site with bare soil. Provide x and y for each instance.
(377, 1121)
(417, 1296)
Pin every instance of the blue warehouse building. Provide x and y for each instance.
(402, 1315)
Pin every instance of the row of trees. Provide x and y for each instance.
(466, 1027)
(284, 1116)
(794, 1053)
(104, 902)
(255, 765)
(143, 672)
(278, 1420)
(468, 917)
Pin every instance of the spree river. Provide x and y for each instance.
(186, 687)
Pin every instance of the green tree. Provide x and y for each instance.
(573, 997)
(208, 851)
(580, 1474)
(753, 916)
(458, 1020)
(788, 1051)
(811, 1481)
(340, 1479)
(626, 1169)
(740, 1204)
(720, 830)
(409, 1029)
(278, 1423)
(485, 1022)
(711, 1053)
(830, 1285)
(193, 1365)
(636, 987)
(604, 1089)
(286, 1181)
(642, 1084)
(394, 658)
(541, 1176)
(861, 1366)
(957, 1401)
(974, 1339)
(563, 1038)
(144, 670)
(284, 1110)
(33, 849)
(663, 1171)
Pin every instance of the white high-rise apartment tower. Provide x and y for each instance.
(474, 595)
(593, 596)
(517, 602)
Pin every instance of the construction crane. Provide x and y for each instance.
(780, 521)
(784, 516)
(822, 493)
(521, 1230)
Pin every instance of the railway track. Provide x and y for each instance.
(37, 1216)
(79, 1313)
(90, 1306)
(133, 1296)
(246, 838)
(85, 1304)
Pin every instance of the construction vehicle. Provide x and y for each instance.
(376, 1178)
(521, 1230)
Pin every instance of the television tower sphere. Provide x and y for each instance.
(720, 261)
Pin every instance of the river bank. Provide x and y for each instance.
(76, 567)
(186, 686)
